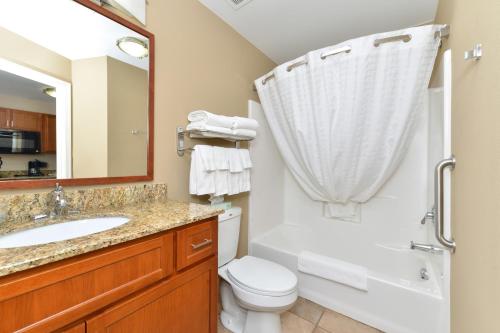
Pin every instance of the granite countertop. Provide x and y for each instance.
(145, 219)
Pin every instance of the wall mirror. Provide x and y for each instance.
(76, 95)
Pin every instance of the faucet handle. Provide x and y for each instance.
(428, 216)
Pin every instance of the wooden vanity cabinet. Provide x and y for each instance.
(130, 287)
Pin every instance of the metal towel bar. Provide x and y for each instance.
(439, 202)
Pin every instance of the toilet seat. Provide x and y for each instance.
(261, 277)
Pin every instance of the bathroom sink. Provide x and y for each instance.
(60, 231)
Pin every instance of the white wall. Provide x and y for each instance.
(391, 218)
(268, 176)
(26, 104)
(13, 162)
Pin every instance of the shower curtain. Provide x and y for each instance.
(344, 122)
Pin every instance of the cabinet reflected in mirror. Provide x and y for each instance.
(74, 93)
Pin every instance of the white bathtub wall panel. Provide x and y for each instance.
(266, 204)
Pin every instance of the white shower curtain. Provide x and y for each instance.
(344, 123)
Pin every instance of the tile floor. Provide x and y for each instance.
(309, 317)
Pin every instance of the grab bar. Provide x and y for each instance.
(439, 202)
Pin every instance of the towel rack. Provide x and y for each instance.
(181, 133)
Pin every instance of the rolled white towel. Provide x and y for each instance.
(211, 119)
(245, 123)
(245, 132)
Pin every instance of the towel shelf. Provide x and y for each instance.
(203, 134)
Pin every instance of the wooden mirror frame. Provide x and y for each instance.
(40, 183)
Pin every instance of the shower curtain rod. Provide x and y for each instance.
(444, 32)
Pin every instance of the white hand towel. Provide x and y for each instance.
(201, 126)
(245, 123)
(235, 163)
(221, 158)
(245, 181)
(201, 181)
(221, 182)
(211, 119)
(333, 269)
(245, 132)
(206, 155)
(245, 158)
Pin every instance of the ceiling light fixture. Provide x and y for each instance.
(133, 46)
(50, 92)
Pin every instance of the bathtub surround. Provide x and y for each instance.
(341, 126)
(284, 221)
(19, 209)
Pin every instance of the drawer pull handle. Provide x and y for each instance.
(202, 244)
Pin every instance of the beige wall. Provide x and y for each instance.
(475, 298)
(27, 104)
(24, 52)
(90, 120)
(127, 111)
(202, 63)
(20, 162)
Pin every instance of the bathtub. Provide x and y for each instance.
(398, 300)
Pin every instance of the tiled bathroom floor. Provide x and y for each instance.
(309, 317)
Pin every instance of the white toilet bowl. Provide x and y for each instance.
(254, 292)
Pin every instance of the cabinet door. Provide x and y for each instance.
(59, 294)
(4, 118)
(26, 121)
(79, 328)
(48, 133)
(186, 303)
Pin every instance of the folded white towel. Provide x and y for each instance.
(201, 126)
(245, 158)
(206, 156)
(211, 119)
(245, 132)
(235, 162)
(245, 123)
(333, 269)
(221, 158)
(201, 181)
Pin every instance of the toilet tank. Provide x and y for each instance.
(229, 233)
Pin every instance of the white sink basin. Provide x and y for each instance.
(60, 231)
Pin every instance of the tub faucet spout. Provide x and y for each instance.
(425, 247)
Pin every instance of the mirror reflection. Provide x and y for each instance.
(73, 93)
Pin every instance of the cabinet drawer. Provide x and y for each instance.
(52, 297)
(196, 243)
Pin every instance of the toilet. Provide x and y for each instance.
(254, 291)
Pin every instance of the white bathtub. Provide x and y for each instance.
(398, 300)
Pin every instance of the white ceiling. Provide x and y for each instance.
(286, 29)
(13, 85)
(67, 28)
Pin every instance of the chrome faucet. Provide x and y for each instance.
(59, 201)
(425, 247)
